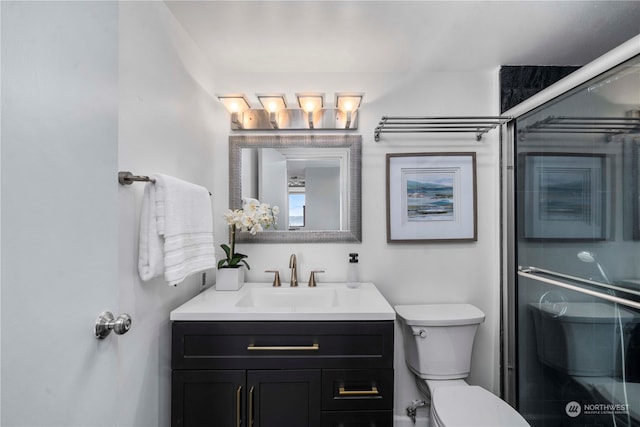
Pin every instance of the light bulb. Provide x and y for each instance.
(310, 106)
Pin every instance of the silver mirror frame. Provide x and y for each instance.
(352, 142)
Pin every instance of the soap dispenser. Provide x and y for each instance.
(353, 272)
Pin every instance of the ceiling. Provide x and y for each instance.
(402, 36)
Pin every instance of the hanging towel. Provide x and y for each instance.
(176, 230)
(150, 255)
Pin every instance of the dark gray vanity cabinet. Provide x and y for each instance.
(246, 398)
(280, 374)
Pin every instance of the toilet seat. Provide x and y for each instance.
(472, 406)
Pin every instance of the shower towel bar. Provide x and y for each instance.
(412, 124)
(127, 178)
(534, 274)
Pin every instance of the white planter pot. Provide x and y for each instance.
(229, 279)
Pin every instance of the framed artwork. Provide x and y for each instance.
(564, 196)
(431, 197)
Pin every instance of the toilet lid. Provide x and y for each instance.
(440, 314)
(467, 406)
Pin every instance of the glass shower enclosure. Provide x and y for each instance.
(574, 255)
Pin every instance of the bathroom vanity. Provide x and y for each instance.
(265, 356)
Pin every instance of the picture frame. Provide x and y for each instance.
(564, 196)
(431, 197)
(631, 190)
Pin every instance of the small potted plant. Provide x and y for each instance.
(254, 217)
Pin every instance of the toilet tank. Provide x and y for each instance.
(581, 338)
(438, 338)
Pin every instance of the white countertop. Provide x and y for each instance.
(363, 303)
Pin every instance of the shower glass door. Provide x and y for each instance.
(577, 288)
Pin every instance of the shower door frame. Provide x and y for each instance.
(509, 356)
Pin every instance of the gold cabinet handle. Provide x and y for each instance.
(314, 347)
(372, 392)
(250, 407)
(238, 406)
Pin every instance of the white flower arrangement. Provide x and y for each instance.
(254, 217)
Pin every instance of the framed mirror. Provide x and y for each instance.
(315, 180)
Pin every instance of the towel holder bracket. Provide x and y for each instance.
(127, 178)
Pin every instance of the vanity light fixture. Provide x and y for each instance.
(274, 113)
(310, 103)
(273, 104)
(236, 104)
(348, 103)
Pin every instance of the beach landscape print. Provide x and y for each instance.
(429, 195)
(564, 196)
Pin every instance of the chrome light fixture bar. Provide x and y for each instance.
(276, 115)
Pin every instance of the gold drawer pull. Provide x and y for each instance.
(314, 347)
(372, 392)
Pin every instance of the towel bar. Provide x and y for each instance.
(127, 178)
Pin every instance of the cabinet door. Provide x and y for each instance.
(284, 398)
(208, 398)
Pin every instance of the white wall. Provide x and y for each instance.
(405, 273)
(90, 88)
(165, 105)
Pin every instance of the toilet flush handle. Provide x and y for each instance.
(420, 333)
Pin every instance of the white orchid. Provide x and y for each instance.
(254, 217)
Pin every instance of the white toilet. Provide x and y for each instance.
(438, 340)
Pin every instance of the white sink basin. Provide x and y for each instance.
(261, 301)
(289, 297)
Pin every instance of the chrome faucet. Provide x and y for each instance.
(293, 265)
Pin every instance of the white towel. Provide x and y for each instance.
(150, 255)
(176, 230)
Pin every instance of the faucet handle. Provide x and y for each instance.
(276, 277)
(312, 277)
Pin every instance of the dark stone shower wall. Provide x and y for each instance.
(518, 83)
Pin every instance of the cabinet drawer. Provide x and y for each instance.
(357, 389)
(274, 345)
(357, 419)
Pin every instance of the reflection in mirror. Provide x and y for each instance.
(314, 180)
